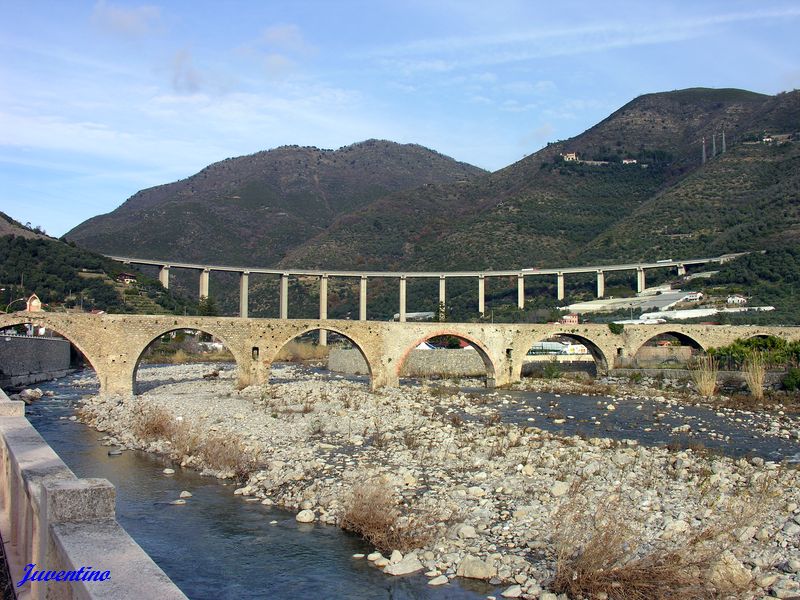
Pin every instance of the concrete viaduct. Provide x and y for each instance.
(364, 276)
(113, 344)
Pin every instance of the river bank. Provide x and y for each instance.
(508, 502)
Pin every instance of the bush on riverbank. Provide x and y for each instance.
(220, 452)
(372, 513)
(600, 553)
(775, 352)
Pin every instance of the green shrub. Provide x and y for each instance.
(791, 381)
(616, 328)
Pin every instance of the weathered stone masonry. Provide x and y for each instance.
(113, 344)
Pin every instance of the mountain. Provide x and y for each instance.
(543, 210)
(745, 199)
(639, 189)
(252, 209)
(9, 226)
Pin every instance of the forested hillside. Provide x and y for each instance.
(64, 276)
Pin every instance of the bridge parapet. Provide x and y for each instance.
(58, 522)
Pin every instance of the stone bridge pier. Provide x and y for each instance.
(113, 344)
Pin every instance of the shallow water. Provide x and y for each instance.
(631, 419)
(219, 545)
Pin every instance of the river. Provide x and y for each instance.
(219, 545)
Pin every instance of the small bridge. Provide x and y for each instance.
(113, 344)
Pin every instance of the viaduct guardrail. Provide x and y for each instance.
(403, 277)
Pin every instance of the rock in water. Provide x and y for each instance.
(515, 591)
(475, 568)
(305, 516)
(440, 580)
(185, 494)
(409, 564)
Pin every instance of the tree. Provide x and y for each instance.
(207, 307)
(441, 312)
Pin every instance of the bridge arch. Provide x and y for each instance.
(601, 352)
(478, 345)
(296, 332)
(156, 334)
(73, 337)
(640, 355)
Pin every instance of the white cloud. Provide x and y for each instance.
(134, 21)
(464, 52)
(288, 38)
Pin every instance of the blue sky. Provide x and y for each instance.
(100, 99)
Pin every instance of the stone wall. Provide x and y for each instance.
(28, 359)
(51, 518)
(654, 356)
(419, 363)
(726, 379)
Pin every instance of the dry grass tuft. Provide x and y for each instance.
(226, 453)
(295, 351)
(372, 513)
(754, 370)
(221, 452)
(600, 553)
(704, 373)
(153, 423)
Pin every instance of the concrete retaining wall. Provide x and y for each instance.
(28, 359)
(419, 363)
(58, 522)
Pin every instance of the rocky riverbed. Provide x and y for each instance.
(506, 502)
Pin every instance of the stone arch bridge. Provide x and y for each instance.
(113, 344)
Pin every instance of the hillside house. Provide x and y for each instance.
(693, 297)
(569, 156)
(126, 278)
(571, 319)
(629, 161)
(736, 299)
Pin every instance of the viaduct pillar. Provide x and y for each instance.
(520, 291)
(362, 299)
(204, 283)
(284, 297)
(681, 270)
(163, 276)
(640, 282)
(481, 295)
(402, 299)
(244, 281)
(601, 284)
(442, 292)
(560, 286)
(323, 308)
